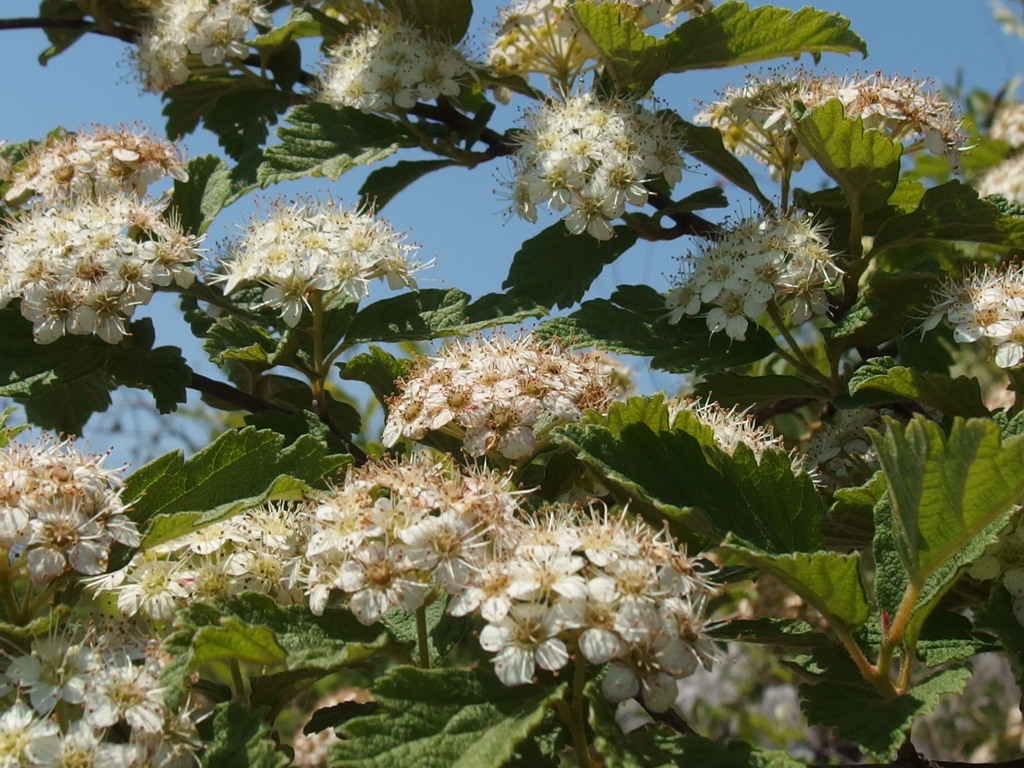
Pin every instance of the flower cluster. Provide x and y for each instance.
(83, 268)
(541, 36)
(93, 164)
(757, 118)
(754, 266)
(317, 247)
(92, 701)
(841, 449)
(498, 395)
(590, 158)
(389, 67)
(1006, 178)
(210, 30)
(259, 550)
(60, 510)
(730, 428)
(985, 304)
(1004, 559)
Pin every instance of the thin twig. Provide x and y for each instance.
(42, 22)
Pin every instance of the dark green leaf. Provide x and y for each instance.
(705, 143)
(241, 738)
(735, 390)
(769, 631)
(384, 183)
(954, 397)
(378, 369)
(195, 202)
(442, 718)
(556, 268)
(632, 322)
(952, 211)
(322, 141)
(863, 162)
(240, 469)
(447, 20)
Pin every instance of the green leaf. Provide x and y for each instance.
(705, 143)
(322, 141)
(954, 397)
(432, 313)
(234, 640)
(443, 631)
(377, 368)
(384, 183)
(300, 23)
(242, 738)
(945, 491)
(735, 390)
(952, 211)
(555, 268)
(237, 471)
(732, 34)
(209, 188)
(829, 581)
(63, 383)
(700, 487)
(862, 161)
(769, 631)
(442, 718)
(632, 322)
(858, 713)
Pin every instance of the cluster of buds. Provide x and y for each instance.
(103, 162)
(542, 36)
(389, 67)
(60, 511)
(84, 267)
(985, 304)
(259, 550)
(322, 247)
(590, 158)
(209, 31)
(93, 700)
(499, 395)
(757, 264)
(1004, 559)
(842, 450)
(758, 117)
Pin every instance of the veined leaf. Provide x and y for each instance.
(384, 183)
(555, 268)
(732, 34)
(705, 143)
(210, 187)
(862, 161)
(954, 397)
(241, 737)
(735, 390)
(322, 141)
(443, 718)
(238, 470)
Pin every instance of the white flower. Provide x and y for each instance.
(20, 730)
(524, 639)
(123, 691)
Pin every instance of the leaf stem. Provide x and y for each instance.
(894, 636)
(316, 380)
(574, 713)
(797, 358)
(238, 680)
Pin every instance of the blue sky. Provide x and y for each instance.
(454, 214)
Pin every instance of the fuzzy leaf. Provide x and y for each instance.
(234, 640)
(238, 470)
(555, 268)
(322, 141)
(954, 397)
(209, 188)
(632, 322)
(863, 162)
(735, 390)
(442, 718)
(242, 738)
(378, 369)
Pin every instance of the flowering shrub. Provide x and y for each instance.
(508, 557)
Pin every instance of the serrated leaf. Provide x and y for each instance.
(880, 726)
(234, 640)
(446, 20)
(209, 188)
(731, 34)
(238, 470)
(829, 581)
(555, 268)
(735, 390)
(384, 183)
(322, 141)
(862, 161)
(377, 368)
(632, 322)
(241, 737)
(954, 397)
(442, 718)
(952, 211)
